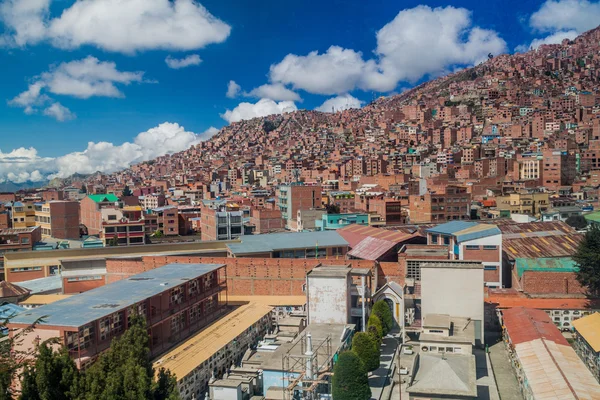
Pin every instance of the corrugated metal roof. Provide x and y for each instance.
(286, 241)
(555, 245)
(97, 303)
(355, 233)
(465, 230)
(589, 328)
(518, 300)
(372, 248)
(526, 324)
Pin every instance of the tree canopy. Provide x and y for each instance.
(350, 380)
(382, 310)
(587, 258)
(576, 221)
(366, 347)
(126, 192)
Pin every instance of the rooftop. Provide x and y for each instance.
(589, 328)
(355, 233)
(526, 324)
(448, 374)
(41, 299)
(462, 330)
(190, 354)
(555, 264)
(47, 284)
(286, 241)
(89, 306)
(465, 230)
(103, 198)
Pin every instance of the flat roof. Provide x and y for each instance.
(41, 285)
(552, 264)
(589, 328)
(275, 301)
(190, 354)
(436, 321)
(462, 330)
(451, 264)
(286, 241)
(45, 257)
(100, 302)
(41, 299)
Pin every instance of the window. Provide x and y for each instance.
(490, 267)
(435, 331)
(434, 239)
(471, 247)
(446, 240)
(112, 217)
(121, 229)
(488, 247)
(25, 240)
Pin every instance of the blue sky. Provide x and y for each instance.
(110, 82)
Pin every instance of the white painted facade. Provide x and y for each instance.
(328, 299)
(454, 288)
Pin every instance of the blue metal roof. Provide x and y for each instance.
(9, 310)
(89, 306)
(43, 285)
(286, 241)
(466, 230)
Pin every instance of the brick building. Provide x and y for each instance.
(91, 216)
(291, 198)
(454, 204)
(221, 220)
(559, 169)
(58, 219)
(266, 221)
(19, 239)
(177, 301)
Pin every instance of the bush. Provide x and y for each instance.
(382, 310)
(350, 380)
(576, 221)
(375, 327)
(366, 348)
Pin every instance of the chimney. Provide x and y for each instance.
(309, 358)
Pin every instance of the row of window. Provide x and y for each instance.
(84, 278)
(485, 247)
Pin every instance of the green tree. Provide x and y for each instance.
(577, 221)
(125, 371)
(587, 258)
(126, 192)
(332, 209)
(382, 310)
(375, 327)
(113, 242)
(52, 377)
(350, 380)
(366, 347)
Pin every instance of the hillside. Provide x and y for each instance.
(501, 97)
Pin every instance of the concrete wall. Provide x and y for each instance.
(455, 291)
(328, 300)
(489, 258)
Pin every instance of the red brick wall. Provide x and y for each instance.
(482, 255)
(541, 282)
(81, 286)
(245, 276)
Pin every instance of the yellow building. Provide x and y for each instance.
(23, 215)
(530, 203)
(42, 218)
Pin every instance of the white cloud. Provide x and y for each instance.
(233, 89)
(25, 20)
(563, 15)
(419, 41)
(276, 92)
(59, 112)
(554, 38)
(23, 164)
(340, 103)
(114, 25)
(262, 108)
(80, 78)
(337, 70)
(210, 132)
(178, 63)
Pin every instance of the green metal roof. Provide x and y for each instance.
(554, 264)
(594, 216)
(101, 198)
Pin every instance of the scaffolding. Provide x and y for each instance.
(307, 369)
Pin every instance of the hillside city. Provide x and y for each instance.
(440, 243)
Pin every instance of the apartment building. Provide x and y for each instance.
(221, 220)
(58, 219)
(454, 204)
(291, 198)
(528, 202)
(177, 300)
(122, 226)
(23, 214)
(19, 239)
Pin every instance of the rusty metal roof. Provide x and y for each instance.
(372, 248)
(354, 233)
(526, 324)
